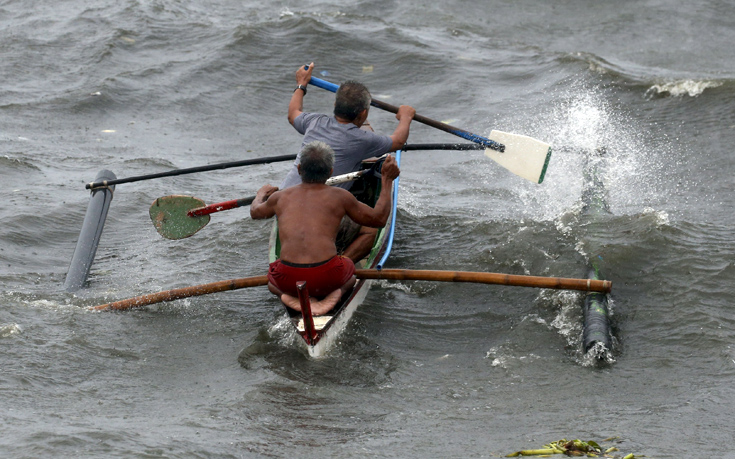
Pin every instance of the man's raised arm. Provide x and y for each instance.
(296, 106)
(376, 217)
(400, 135)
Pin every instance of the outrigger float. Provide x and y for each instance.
(596, 336)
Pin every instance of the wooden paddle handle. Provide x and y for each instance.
(588, 285)
(220, 206)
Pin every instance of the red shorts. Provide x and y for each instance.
(321, 278)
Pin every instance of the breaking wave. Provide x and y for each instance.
(691, 88)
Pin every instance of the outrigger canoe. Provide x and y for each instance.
(319, 333)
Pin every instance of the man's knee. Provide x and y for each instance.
(274, 290)
(364, 230)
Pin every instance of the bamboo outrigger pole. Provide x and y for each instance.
(560, 283)
(185, 292)
(587, 285)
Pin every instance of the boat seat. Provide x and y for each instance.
(319, 323)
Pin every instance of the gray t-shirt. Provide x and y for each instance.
(351, 144)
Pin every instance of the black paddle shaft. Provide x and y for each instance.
(191, 170)
(443, 146)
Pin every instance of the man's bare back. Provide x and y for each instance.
(308, 219)
(309, 215)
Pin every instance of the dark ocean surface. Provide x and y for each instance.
(423, 369)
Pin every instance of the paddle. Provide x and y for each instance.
(588, 285)
(179, 216)
(191, 170)
(522, 155)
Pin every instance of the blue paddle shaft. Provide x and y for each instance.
(324, 84)
(421, 119)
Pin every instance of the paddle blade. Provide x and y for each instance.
(169, 216)
(524, 156)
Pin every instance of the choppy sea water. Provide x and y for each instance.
(423, 370)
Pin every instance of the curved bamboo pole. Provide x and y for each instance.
(587, 285)
(197, 290)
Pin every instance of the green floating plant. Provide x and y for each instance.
(573, 448)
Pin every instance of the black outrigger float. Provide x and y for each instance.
(596, 332)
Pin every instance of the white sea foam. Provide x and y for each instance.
(598, 352)
(579, 247)
(48, 304)
(283, 331)
(502, 358)
(662, 217)
(534, 318)
(395, 285)
(691, 88)
(10, 330)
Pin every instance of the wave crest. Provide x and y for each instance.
(691, 88)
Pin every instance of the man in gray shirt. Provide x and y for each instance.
(350, 136)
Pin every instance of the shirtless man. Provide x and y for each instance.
(351, 138)
(309, 216)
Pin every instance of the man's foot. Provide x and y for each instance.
(318, 307)
(322, 307)
(291, 301)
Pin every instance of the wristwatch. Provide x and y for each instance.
(301, 87)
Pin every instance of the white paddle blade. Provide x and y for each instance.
(524, 156)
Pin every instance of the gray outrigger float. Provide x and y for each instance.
(319, 333)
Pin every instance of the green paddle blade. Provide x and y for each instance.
(169, 216)
(524, 156)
